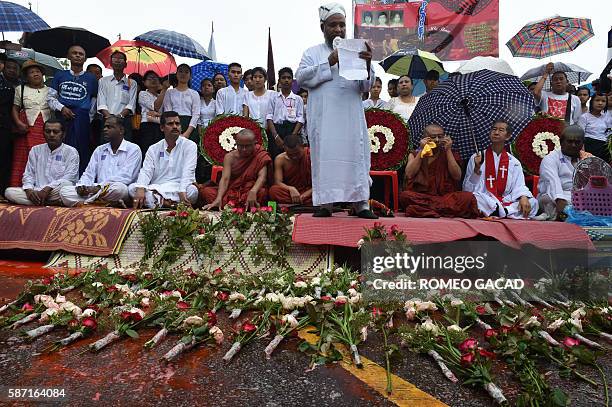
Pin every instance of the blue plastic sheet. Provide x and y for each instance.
(586, 218)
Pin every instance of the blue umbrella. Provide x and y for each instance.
(206, 69)
(15, 17)
(175, 43)
(466, 106)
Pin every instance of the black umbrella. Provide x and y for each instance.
(56, 41)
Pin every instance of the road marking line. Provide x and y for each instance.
(404, 393)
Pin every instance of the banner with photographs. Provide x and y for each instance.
(452, 29)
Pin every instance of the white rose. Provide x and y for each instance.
(41, 298)
(237, 297)
(44, 317)
(428, 325)
(410, 313)
(556, 324)
(144, 302)
(67, 306)
(116, 270)
(193, 320)
(533, 321)
(339, 270)
(97, 284)
(290, 319)
(88, 313)
(352, 292)
(144, 293)
(355, 299)
(454, 328)
(456, 303)
(360, 243)
(410, 304)
(272, 297)
(426, 305)
(60, 299)
(579, 313)
(217, 333)
(316, 281)
(577, 323)
(300, 284)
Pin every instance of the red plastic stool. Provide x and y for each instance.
(215, 175)
(534, 179)
(390, 180)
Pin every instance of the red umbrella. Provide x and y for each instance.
(141, 57)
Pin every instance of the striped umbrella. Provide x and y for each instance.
(466, 106)
(16, 18)
(176, 43)
(551, 36)
(412, 62)
(141, 57)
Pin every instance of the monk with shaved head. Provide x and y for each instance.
(431, 183)
(245, 172)
(292, 179)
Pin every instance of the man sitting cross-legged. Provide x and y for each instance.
(431, 180)
(112, 167)
(167, 176)
(500, 189)
(50, 167)
(292, 180)
(245, 172)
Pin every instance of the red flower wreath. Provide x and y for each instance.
(397, 155)
(522, 148)
(210, 146)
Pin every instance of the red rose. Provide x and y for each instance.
(570, 342)
(468, 344)
(231, 204)
(222, 296)
(467, 359)
(125, 315)
(490, 333)
(486, 354)
(212, 318)
(249, 327)
(182, 305)
(377, 225)
(111, 288)
(130, 277)
(481, 310)
(202, 231)
(89, 322)
(394, 229)
(73, 323)
(325, 298)
(27, 307)
(217, 271)
(253, 209)
(94, 307)
(339, 302)
(46, 280)
(136, 316)
(183, 214)
(172, 213)
(505, 330)
(284, 209)
(376, 312)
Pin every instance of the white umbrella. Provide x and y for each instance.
(575, 74)
(490, 63)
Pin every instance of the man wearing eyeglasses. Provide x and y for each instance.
(117, 94)
(245, 172)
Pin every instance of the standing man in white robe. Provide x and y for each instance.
(337, 130)
(112, 167)
(557, 172)
(500, 189)
(167, 176)
(50, 167)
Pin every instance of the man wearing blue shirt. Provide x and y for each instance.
(70, 96)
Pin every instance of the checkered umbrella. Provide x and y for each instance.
(175, 43)
(551, 36)
(206, 69)
(466, 107)
(15, 17)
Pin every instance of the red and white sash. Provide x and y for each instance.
(496, 182)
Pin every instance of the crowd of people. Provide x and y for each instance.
(133, 141)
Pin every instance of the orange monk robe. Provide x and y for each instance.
(295, 174)
(243, 177)
(432, 193)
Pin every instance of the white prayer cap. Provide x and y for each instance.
(329, 9)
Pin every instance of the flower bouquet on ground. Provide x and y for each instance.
(197, 330)
(79, 328)
(58, 312)
(285, 325)
(247, 331)
(346, 326)
(382, 320)
(219, 137)
(389, 139)
(540, 137)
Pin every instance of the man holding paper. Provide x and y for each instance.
(337, 130)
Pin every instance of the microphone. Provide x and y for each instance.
(336, 42)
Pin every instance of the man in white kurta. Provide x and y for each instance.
(167, 176)
(500, 189)
(337, 130)
(112, 167)
(557, 172)
(50, 167)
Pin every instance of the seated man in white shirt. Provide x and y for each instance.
(500, 189)
(112, 167)
(555, 103)
(50, 167)
(167, 176)
(557, 172)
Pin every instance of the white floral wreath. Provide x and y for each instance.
(540, 147)
(227, 138)
(375, 141)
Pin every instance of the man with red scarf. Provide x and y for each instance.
(431, 184)
(500, 189)
(292, 177)
(245, 172)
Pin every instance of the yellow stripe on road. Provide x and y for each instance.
(404, 393)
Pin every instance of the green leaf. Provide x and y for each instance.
(187, 339)
(559, 398)
(131, 333)
(200, 331)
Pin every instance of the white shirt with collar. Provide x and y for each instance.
(177, 166)
(556, 176)
(115, 95)
(46, 168)
(228, 101)
(290, 108)
(106, 166)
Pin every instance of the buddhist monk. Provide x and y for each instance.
(431, 184)
(245, 172)
(292, 180)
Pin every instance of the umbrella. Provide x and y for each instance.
(412, 62)
(490, 63)
(575, 74)
(467, 105)
(550, 36)
(174, 42)
(141, 57)
(15, 17)
(56, 41)
(50, 63)
(206, 69)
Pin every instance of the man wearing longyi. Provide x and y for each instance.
(337, 130)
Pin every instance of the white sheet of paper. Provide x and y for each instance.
(352, 67)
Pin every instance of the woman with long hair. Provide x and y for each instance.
(184, 101)
(597, 125)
